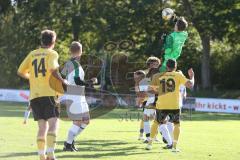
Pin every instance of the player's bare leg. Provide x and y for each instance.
(141, 131)
(152, 117)
(51, 137)
(176, 133)
(41, 138)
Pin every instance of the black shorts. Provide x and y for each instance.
(174, 115)
(44, 108)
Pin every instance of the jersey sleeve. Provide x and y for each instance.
(154, 81)
(182, 78)
(64, 70)
(24, 66)
(53, 61)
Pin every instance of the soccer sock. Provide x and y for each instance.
(170, 128)
(72, 133)
(165, 133)
(41, 148)
(141, 127)
(147, 129)
(26, 115)
(176, 133)
(154, 130)
(81, 128)
(51, 143)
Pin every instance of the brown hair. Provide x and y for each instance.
(182, 24)
(48, 37)
(152, 59)
(152, 71)
(76, 47)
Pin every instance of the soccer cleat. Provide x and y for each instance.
(164, 140)
(175, 150)
(146, 141)
(148, 147)
(168, 147)
(73, 146)
(68, 147)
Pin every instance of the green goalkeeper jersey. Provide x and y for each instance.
(173, 47)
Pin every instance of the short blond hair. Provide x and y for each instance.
(153, 59)
(76, 47)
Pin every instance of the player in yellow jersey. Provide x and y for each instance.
(167, 86)
(38, 67)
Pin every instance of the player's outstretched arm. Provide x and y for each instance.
(190, 83)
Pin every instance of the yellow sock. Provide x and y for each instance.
(141, 127)
(41, 148)
(154, 131)
(176, 133)
(141, 124)
(51, 143)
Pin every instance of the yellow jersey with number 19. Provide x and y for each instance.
(167, 85)
(39, 64)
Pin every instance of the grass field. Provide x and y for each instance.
(205, 137)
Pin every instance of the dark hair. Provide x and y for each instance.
(171, 63)
(48, 37)
(182, 24)
(152, 71)
(76, 47)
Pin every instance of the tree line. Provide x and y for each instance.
(212, 48)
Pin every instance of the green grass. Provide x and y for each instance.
(205, 137)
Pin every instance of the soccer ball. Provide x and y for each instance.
(167, 13)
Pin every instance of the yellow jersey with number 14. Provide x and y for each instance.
(167, 85)
(39, 64)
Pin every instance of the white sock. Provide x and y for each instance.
(81, 128)
(26, 115)
(165, 133)
(72, 133)
(147, 127)
(170, 128)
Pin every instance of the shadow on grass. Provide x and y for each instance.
(20, 154)
(109, 147)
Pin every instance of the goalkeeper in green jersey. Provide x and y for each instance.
(174, 42)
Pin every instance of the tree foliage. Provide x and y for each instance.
(211, 47)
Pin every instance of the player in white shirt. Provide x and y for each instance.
(152, 62)
(149, 111)
(74, 97)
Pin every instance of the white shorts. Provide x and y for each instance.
(77, 107)
(149, 112)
